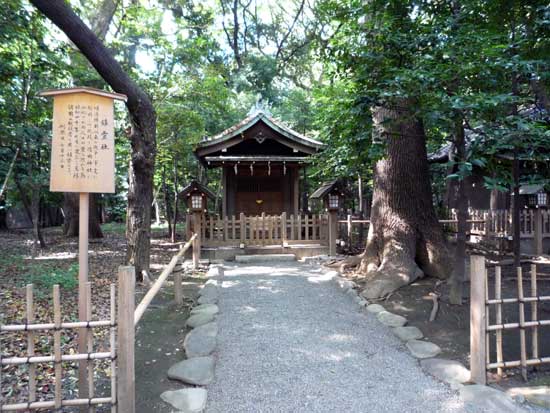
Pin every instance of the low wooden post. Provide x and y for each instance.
(332, 232)
(350, 230)
(538, 232)
(178, 296)
(126, 340)
(478, 356)
(283, 229)
(197, 218)
(242, 224)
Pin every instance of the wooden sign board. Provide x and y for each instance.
(83, 145)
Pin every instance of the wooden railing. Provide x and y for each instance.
(155, 288)
(264, 230)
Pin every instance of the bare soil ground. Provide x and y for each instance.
(451, 328)
(57, 264)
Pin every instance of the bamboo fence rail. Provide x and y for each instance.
(155, 288)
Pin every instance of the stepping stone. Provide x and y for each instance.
(199, 319)
(192, 400)
(408, 333)
(205, 309)
(207, 300)
(375, 308)
(492, 400)
(201, 341)
(215, 271)
(209, 290)
(198, 370)
(449, 371)
(539, 395)
(423, 349)
(390, 319)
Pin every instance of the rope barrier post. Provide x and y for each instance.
(126, 334)
(478, 356)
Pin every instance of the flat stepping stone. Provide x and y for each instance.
(199, 319)
(215, 271)
(390, 319)
(207, 300)
(423, 349)
(449, 371)
(198, 370)
(192, 400)
(201, 341)
(206, 309)
(375, 308)
(485, 397)
(408, 333)
(209, 290)
(538, 395)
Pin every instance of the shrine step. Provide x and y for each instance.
(265, 258)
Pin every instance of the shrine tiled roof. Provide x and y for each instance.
(269, 121)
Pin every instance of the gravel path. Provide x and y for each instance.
(291, 341)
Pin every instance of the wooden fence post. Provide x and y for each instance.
(350, 230)
(478, 356)
(283, 229)
(538, 232)
(332, 232)
(126, 340)
(197, 241)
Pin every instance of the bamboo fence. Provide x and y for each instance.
(31, 359)
(482, 331)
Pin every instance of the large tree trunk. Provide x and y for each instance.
(142, 136)
(405, 240)
(71, 207)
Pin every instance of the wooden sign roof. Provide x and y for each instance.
(83, 89)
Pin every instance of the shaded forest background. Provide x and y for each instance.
(475, 73)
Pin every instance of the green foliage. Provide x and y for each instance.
(44, 277)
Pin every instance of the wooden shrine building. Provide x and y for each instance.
(261, 159)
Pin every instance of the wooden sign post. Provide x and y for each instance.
(83, 161)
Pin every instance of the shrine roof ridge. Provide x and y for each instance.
(269, 121)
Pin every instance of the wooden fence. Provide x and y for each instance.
(122, 322)
(487, 322)
(262, 229)
(487, 224)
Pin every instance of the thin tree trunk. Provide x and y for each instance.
(457, 277)
(38, 241)
(405, 240)
(516, 211)
(167, 208)
(176, 197)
